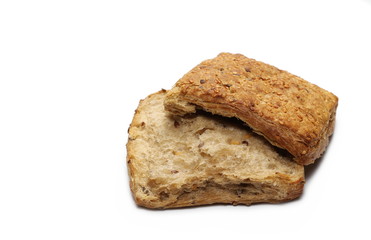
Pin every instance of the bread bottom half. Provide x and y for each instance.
(203, 159)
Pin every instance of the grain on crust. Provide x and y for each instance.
(203, 159)
(290, 112)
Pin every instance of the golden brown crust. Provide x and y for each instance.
(219, 194)
(290, 112)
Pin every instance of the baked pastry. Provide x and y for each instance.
(203, 159)
(288, 111)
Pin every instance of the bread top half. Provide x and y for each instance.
(288, 111)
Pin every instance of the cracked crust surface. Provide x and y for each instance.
(290, 112)
(202, 159)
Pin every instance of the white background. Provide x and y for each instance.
(73, 72)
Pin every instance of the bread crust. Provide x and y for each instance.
(221, 195)
(201, 190)
(288, 111)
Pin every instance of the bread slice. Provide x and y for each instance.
(290, 112)
(203, 159)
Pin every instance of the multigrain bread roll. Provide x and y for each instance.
(288, 111)
(203, 159)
